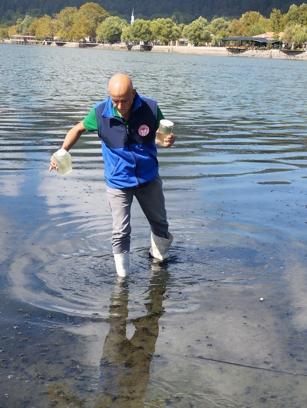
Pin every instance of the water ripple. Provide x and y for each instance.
(236, 142)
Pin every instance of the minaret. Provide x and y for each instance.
(132, 17)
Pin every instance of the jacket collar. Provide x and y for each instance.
(109, 111)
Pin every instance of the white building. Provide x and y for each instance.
(132, 17)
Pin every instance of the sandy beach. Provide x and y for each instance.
(222, 51)
(211, 51)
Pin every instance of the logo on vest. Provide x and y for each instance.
(143, 130)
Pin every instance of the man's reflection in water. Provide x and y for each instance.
(125, 363)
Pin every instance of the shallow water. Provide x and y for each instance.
(224, 322)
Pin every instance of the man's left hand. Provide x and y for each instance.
(169, 140)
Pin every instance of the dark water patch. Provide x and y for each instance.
(274, 182)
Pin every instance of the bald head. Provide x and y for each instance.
(121, 91)
(120, 84)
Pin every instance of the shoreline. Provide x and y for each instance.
(222, 51)
(188, 50)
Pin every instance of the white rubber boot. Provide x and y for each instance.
(122, 264)
(160, 246)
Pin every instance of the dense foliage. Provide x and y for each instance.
(110, 30)
(184, 11)
(92, 22)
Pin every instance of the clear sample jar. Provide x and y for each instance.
(63, 161)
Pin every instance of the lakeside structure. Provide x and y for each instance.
(239, 50)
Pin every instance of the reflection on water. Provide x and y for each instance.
(127, 352)
(125, 364)
(235, 186)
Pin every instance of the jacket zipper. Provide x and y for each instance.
(132, 153)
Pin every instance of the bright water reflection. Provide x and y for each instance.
(235, 186)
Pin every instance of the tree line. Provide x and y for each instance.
(185, 11)
(92, 22)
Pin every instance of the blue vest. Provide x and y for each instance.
(128, 148)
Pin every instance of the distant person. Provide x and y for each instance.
(127, 123)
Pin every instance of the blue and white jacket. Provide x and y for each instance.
(128, 147)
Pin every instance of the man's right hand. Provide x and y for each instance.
(52, 165)
(70, 139)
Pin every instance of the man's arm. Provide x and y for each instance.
(73, 135)
(71, 138)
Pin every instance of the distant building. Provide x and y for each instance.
(132, 17)
(23, 39)
(242, 43)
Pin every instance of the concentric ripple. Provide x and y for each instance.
(233, 178)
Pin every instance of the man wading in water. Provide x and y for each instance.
(127, 123)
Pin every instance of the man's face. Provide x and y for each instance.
(123, 101)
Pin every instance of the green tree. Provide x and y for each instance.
(80, 28)
(276, 21)
(219, 27)
(86, 21)
(296, 15)
(165, 30)
(3, 32)
(236, 27)
(12, 30)
(127, 36)
(110, 30)
(216, 40)
(23, 25)
(44, 27)
(295, 35)
(254, 23)
(65, 21)
(197, 31)
(141, 31)
(18, 25)
(33, 25)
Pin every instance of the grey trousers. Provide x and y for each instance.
(151, 200)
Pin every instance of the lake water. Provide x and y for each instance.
(224, 322)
